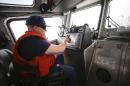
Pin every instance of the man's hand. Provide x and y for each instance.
(55, 41)
(67, 39)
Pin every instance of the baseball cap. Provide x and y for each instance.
(36, 20)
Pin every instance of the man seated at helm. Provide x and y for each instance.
(32, 48)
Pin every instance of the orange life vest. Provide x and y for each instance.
(41, 64)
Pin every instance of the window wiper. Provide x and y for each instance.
(110, 20)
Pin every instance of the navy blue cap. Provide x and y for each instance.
(36, 20)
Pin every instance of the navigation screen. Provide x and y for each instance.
(76, 39)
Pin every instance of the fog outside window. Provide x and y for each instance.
(88, 16)
(17, 2)
(119, 13)
(18, 27)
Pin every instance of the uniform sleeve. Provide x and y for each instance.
(32, 46)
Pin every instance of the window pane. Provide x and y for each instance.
(17, 2)
(19, 27)
(119, 13)
(88, 16)
(52, 28)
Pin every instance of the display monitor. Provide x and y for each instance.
(76, 40)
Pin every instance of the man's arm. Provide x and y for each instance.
(54, 49)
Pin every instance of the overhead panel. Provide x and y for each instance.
(86, 3)
(64, 5)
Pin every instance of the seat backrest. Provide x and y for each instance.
(5, 59)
